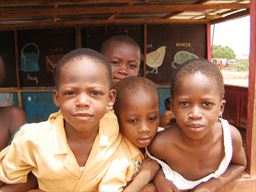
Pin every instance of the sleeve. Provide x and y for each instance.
(117, 176)
(15, 160)
(121, 171)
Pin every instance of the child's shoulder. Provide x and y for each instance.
(130, 150)
(39, 131)
(12, 110)
(165, 137)
(235, 135)
(171, 131)
(34, 130)
(230, 129)
(128, 157)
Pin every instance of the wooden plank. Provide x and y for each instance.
(233, 16)
(51, 12)
(246, 183)
(73, 23)
(28, 90)
(19, 3)
(178, 12)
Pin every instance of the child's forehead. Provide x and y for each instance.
(196, 82)
(194, 77)
(117, 44)
(83, 66)
(141, 97)
(83, 60)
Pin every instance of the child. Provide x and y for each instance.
(11, 118)
(137, 109)
(124, 56)
(78, 148)
(201, 151)
(167, 117)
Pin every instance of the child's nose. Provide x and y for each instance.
(123, 68)
(83, 99)
(144, 127)
(195, 112)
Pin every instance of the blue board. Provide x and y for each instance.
(38, 106)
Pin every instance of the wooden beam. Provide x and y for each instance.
(232, 16)
(117, 14)
(178, 12)
(19, 90)
(50, 12)
(73, 23)
(31, 3)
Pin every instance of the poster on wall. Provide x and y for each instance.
(7, 57)
(168, 46)
(39, 52)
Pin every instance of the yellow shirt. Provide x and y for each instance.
(43, 149)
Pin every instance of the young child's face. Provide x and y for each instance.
(83, 93)
(124, 59)
(197, 104)
(138, 118)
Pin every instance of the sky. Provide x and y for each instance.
(234, 33)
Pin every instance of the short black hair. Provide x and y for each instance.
(167, 103)
(82, 53)
(199, 65)
(131, 86)
(121, 39)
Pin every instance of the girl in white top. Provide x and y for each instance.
(200, 152)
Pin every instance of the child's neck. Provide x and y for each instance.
(80, 136)
(207, 139)
(142, 150)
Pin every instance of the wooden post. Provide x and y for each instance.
(78, 37)
(251, 131)
(17, 68)
(145, 50)
(208, 41)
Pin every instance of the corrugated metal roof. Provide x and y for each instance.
(85, 12)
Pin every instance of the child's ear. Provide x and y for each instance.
(112, 97)
(56, 98)
(171, 108)
(222, 107)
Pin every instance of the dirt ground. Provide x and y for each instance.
(238, 78)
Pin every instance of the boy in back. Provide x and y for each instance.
(124, 56)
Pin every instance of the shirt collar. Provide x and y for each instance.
(108, 131)
(59, 139)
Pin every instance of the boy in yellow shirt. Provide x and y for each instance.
(78, 148)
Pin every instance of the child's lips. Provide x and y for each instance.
(117, 79)
(196, 127)
(144, 140)
(82, 114)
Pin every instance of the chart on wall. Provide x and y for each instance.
(168, 46)
(39, 51)
(7, 56)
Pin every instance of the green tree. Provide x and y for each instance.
(218, 51)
